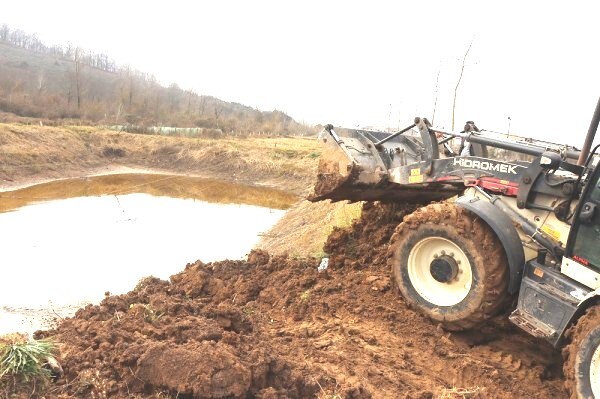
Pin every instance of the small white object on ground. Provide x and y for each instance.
(323, 265)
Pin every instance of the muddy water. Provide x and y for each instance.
(64, 244)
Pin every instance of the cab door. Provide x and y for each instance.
(584, 239)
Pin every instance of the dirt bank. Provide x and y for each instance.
(275, 327)
(304, 228)
(35, 153)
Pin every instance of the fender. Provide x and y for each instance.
(506, 232)
(591, 299)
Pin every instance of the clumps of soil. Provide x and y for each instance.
(275, 327)
(329, 179)
(201, 335)
(365, 244)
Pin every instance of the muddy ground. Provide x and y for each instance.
(275, 327)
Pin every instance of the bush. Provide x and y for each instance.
(113, 152)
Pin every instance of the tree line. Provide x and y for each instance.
(56, 83)
(19, 38)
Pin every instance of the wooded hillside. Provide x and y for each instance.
(54, 82)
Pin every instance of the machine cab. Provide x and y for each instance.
(582, 257)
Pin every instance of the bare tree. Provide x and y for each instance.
(4, 32)
(462, 70)
(17, 88)
(130, 87)
(202, 105)
(190, 96)
(173, 93)
(119, 110)
(77, 60)
(67, 82)
(437, 81)
(218, 110)
(41, 83)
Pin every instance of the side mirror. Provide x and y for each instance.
(587, 212)
(550, 160)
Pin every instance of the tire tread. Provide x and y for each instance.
(470, 227)
(576, 334)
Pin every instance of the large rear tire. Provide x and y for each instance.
(582, 357)
(450, 265)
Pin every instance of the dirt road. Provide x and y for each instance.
(275, 327)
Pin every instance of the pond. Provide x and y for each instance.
(64, 244)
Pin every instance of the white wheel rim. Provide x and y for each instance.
(595, 373)
(433, 291)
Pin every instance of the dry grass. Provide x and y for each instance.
(461, 393)
(28, 151)
(305, 227)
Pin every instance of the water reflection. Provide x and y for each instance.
(61, 254)
(210, 190)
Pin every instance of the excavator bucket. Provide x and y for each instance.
(349, 164)
(360, 165)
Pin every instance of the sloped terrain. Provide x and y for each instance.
(58, 85)
(35, 153)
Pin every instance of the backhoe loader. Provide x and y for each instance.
(500, 217)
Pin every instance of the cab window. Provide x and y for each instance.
(586, 248)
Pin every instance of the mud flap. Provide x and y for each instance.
(506, 232)
(548, 300)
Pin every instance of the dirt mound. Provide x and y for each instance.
(365, 243)
(275, 327)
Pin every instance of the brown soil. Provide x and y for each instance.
(275, 327)
(329, 178)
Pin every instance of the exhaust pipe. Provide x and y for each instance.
(589, 139)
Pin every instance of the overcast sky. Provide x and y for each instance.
(372, 63)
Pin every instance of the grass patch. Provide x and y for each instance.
(341, 216)
(23, 363)
(150, 314)
(25, 360)
(461, 393)
(288, 153)
(304, 229)
(346, 214)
